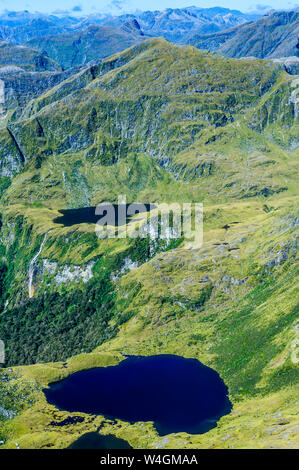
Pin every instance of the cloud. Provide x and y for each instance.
(260, 7)
(60, 12)
(119, 4)
(77, 8)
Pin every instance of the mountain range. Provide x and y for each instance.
(173, 24)
(177, 24)
(272, 36)
(156, 122)
(76, 41)
(92, 43)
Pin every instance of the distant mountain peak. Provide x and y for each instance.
(175, 24)
(272, 35)
(132, 26)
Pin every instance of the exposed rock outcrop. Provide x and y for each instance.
(290, 64)
(67, 273)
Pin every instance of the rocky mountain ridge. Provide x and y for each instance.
(173, 24)
(272, 36)
(77, 41)
(25, 57)
(95, 42)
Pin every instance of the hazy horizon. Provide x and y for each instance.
(115, 7)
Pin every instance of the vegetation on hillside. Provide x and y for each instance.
(158, 123)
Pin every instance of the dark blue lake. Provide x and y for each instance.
(87, 215)
(178, 394)
(93, 440)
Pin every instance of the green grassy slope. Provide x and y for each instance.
(158, 123)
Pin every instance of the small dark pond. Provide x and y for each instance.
(178, 394)
(93, 440)
(88, 215)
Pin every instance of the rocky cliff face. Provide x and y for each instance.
(272, 36)
(18, 86)
(25, 73)
(290, 64)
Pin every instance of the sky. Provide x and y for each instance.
(80, 7)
